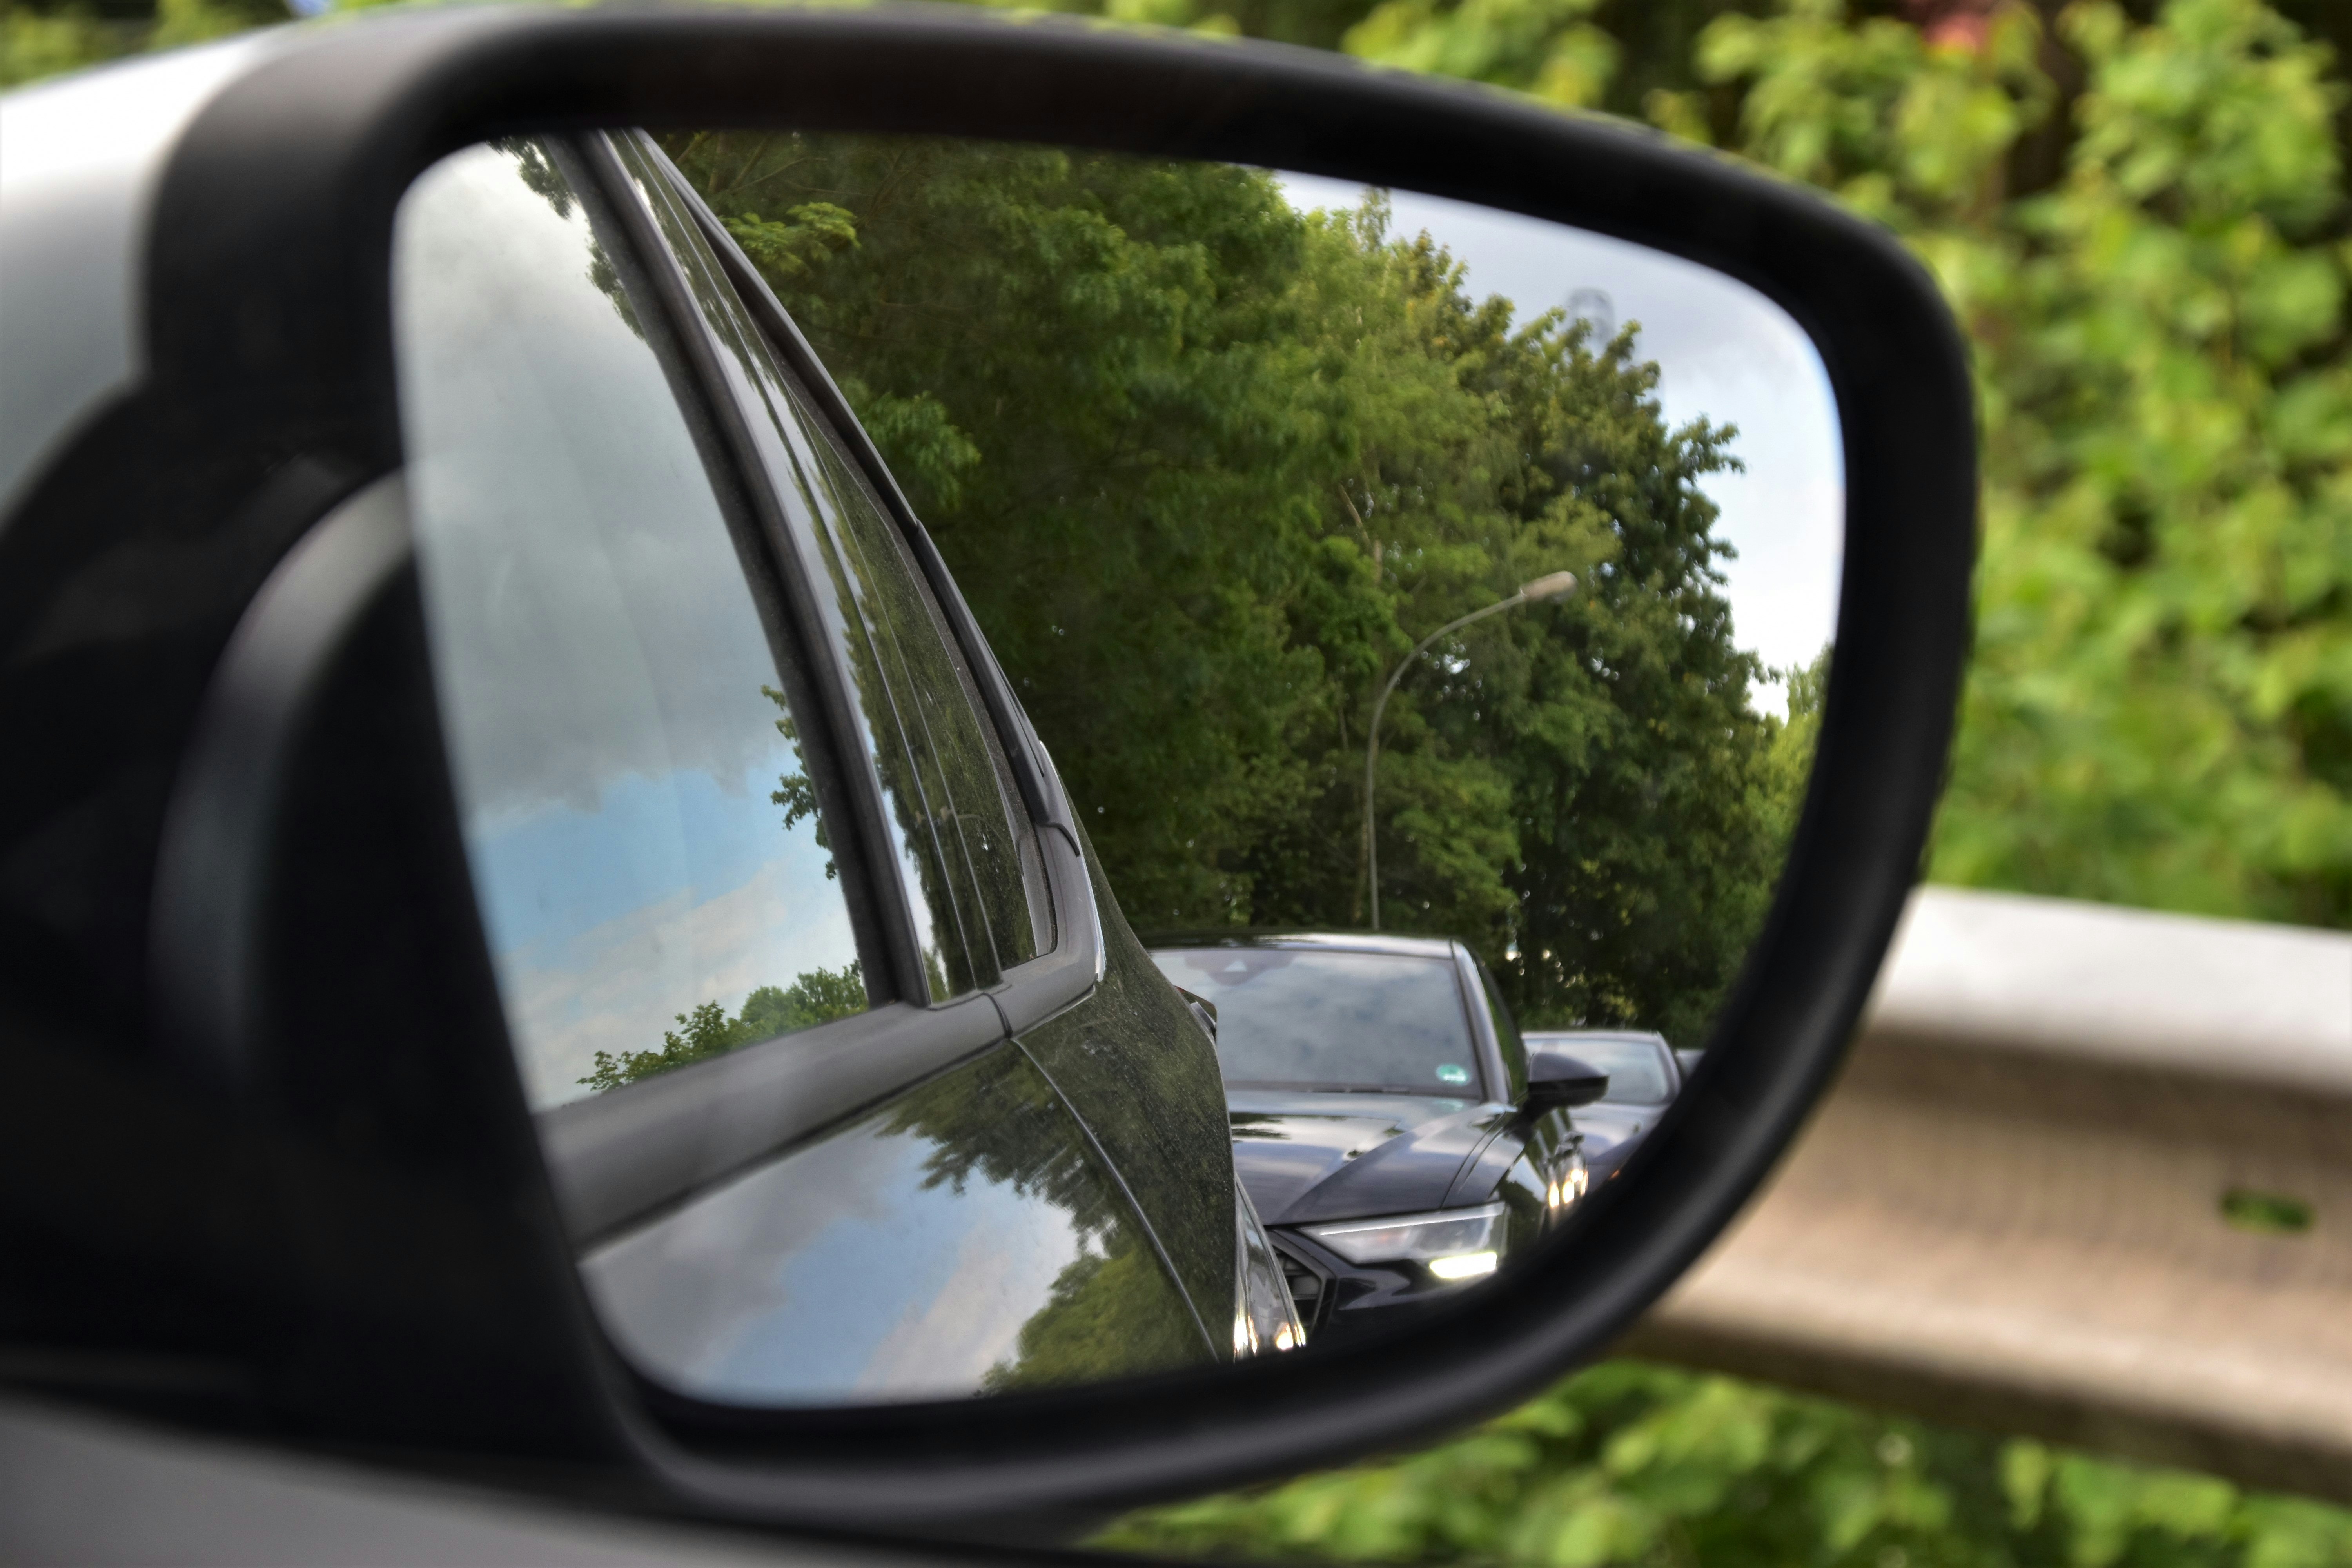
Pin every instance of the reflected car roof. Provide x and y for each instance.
(1328, 941)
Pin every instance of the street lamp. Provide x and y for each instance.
(1551, 585)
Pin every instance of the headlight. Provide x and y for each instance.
(1456, 1243)
(1265, 1317)
(1570, 1188)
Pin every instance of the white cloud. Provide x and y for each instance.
(617, 986)
(589, 611)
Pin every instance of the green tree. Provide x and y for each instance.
(1204, 466)
(1110, 1314)
(1791, 764)
(815, 997)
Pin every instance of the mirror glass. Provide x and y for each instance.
(1426, 610)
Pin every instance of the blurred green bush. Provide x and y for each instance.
(1635, 1464)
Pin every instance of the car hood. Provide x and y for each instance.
(1307, 1156)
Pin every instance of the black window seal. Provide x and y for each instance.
(901, 692)
(621, 1157)
(905, 729)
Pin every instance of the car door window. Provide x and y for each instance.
(650, 853)
(970, 854)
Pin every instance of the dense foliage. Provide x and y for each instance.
(2139, 212)
(2161, 709)
(1207, 467)
(1635, 1464)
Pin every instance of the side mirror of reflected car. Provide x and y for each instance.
(1556, 1079)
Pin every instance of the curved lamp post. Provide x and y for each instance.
(1551, 585)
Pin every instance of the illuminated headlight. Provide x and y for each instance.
(1569, 1189)
(1455, 1244)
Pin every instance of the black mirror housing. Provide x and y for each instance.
(404, 1220)
(1556, 1079)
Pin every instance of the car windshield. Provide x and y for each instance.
(1309, 1019)
(1636, 1076)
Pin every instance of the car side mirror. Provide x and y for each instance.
(1556, 1079)
(565, 906)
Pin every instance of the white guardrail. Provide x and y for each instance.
(2056, 1192)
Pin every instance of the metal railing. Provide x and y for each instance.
(2087, 1175)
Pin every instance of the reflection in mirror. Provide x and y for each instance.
(1004, 1257)
(1427, 609)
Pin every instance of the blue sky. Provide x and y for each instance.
(835, 1272)
(559, 873)
(673, 891)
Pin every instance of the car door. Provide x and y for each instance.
(926, 1123)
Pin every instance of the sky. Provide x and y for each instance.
(600, 659)
(1723, 351)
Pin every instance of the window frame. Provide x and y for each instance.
(618, 1157)
(1485, 998)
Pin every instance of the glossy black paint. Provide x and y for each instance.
(399, 1227)
(1307, 1156)
(959, 1239)
(1141, 1074)
(1555, 1077)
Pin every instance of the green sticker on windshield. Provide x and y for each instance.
(1448, 1073)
